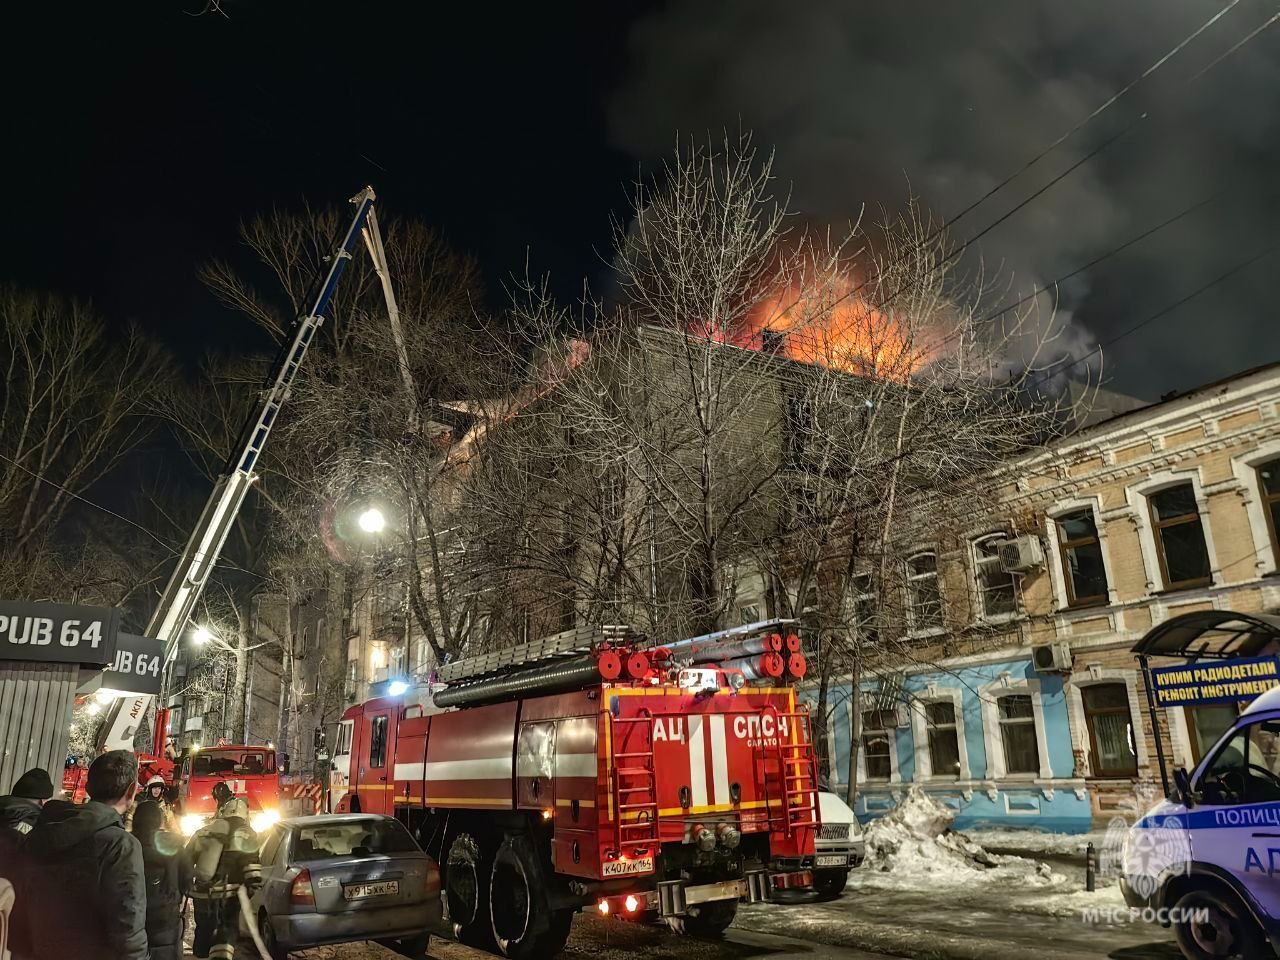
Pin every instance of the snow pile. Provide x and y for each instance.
(915, 840)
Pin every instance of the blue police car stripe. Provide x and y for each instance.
(1219, 818)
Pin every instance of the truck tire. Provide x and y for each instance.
(468, 867)
(709, 923)
(1226, 931)
(523, 924)
(829, 884)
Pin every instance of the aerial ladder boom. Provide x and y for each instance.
(210, 533)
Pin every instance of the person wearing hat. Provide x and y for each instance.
(20, 810)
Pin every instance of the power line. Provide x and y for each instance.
(172, 550)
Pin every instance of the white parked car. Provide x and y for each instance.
(839, 847)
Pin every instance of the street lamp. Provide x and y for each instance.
(372, 521)
(201, 636)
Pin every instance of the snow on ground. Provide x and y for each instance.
(1035, 841)
(914, 842)
(914, 849)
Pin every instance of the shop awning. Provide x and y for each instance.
(1211, 633)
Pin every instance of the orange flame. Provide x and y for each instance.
(834, 327)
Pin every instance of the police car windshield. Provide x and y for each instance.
(1247, 767)
(358, 838)
(233, 764)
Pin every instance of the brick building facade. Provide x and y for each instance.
(1167, 509)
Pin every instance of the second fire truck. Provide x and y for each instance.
(590, 770)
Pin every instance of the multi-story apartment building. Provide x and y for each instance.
(1025, 706)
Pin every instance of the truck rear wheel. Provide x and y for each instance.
(468, 866)
(709, 923)
(524, 926)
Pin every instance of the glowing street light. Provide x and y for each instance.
(397, 687)
(201, 636)
(372, 521)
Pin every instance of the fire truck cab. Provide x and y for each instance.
(249, 772)
(672, 795)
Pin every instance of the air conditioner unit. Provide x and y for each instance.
(1021, 554)
(1051, 658)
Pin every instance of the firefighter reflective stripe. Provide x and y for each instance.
(697, 761)
(408, 771)
(485, 768)
(719, 760)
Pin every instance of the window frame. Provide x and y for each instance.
(1003, 722)
(1095, 769)
(979, 562)
(1266, 500)
(1158, 525)
(854, 597)
(890, 736)
(933, 692)
(1065, 545)
(930, 728)
(913, 612)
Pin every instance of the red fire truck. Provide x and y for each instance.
(250, 773)
(649, 782)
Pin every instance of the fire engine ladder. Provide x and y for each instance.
(635, 805)
(797, 770)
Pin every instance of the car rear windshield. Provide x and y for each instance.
(224, 763)
(356, 838)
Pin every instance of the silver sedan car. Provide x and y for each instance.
(341, 878)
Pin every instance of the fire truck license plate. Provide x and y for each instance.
(624, 868)
(361, 891)
(832, 860)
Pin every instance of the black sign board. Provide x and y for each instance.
(137, 666)
(58, 633)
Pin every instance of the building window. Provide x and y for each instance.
(997, 594)
(862, 607)
(1179, 536)
(1018, 733)
(749, 613)
(1111, 733)
(877, 742)
(923, 592)
(1081, 553)
(1206, 723)
(1269, 486)
(944, 740)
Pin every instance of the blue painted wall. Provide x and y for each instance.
(1017, 802)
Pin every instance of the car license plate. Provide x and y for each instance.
(832, 860)
(362, 891)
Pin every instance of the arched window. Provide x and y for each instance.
(1106, 714)
(923, 592)
(997, 591)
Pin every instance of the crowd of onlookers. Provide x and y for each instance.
(106, 879)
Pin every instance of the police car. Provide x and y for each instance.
(1207, 860)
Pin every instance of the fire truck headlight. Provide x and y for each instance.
(264, 819)
(190, 823)
(631, 903)
(728, 836)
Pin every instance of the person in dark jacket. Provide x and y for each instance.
(167, 873)
(19, 812)
(87, 899)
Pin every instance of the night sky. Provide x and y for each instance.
(140, 135)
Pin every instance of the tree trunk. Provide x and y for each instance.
(821, 721)
(286, 672)
(855, 732)
(241, 680)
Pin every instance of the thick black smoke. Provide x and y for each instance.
(868, 101)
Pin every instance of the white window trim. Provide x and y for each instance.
(1057, 573)
(912, 629)
(895, 774)
(1091, 676)
(920, 733)
(1245, 468)
(1138, 500)
(997, 768)
(975, 590)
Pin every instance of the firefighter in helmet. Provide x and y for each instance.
(224, 853)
